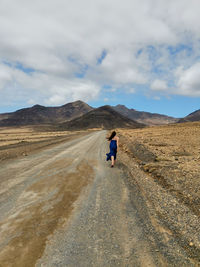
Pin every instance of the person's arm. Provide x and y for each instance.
(117, 142)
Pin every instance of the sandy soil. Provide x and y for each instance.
(10, 136)
(16, 142)
(64, 206)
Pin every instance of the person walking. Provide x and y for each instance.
(114, 143)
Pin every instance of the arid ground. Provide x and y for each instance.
(62, 205)
(21, 141)
(170, 157)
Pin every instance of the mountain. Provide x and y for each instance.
(44, 115)
(104, 117)
(194, 116)
(144, 117)
(4, 116)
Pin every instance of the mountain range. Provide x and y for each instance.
(79, 115)
(144, 117)
(104, 117)
(44, 115)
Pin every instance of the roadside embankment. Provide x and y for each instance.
(164, 163)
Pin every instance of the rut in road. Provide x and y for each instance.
(65, 206)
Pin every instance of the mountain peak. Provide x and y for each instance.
(38, 114)
(121, 106)
(78, 102)
(103, 117)
(37, 106)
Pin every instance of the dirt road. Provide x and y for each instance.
(65, 206)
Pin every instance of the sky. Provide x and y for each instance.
(144, 54)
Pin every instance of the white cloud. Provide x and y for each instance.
(131, 90)
(157, 98)
(59, 39)
(188, 80)
(5, 76)
(43, 88)
(159, 85)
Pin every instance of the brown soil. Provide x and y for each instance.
(170, 155)
(49, 187)
(135, 214)
(19, 142)
(38, 220)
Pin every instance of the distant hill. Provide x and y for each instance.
(4, 116)
(44, 115)
(144, 117)
(104, 117)
(194, 116)
(77, 115)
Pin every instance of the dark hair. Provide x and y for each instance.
(112, 135)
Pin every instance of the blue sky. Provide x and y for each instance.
(178, 106)
(101, 52)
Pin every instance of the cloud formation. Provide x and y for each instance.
(189, 80)
(53, 52)
(159, 85)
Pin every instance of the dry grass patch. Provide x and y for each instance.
(171, 155)
(21, 141)
(10, 136)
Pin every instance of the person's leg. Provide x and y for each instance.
(112, 159)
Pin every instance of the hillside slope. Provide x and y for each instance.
(104, 117)
(194, 116)
(44, 115)
(144, 117)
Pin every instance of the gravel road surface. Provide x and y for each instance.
(65, 206)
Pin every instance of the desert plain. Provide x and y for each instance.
(61, 204)
(16, 142)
